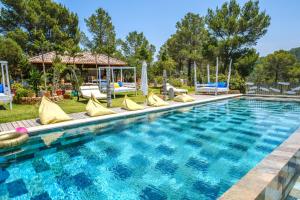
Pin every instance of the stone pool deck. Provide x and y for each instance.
(33, 125)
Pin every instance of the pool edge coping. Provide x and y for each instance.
(121, 115)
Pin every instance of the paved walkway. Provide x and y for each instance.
(9, 126)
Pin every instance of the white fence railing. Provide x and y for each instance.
(280, 88)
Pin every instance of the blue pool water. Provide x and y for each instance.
(191, 153)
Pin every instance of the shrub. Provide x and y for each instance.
(175, 82)
(15, 86)
(159, 79)
(22, 92)
(237, 83)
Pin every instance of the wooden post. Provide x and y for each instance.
(8, 86)
(208, 75)
(135, 82)
(217, 71)
(121, 75)
(229, 73)
(113, 80)
(99, 79)
(165, 92)
(171, 93)
(3, 80)
(108, 90)
(195, 76)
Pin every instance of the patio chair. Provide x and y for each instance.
(176, 90)
(87, 91)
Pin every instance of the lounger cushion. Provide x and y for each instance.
(51, 113)
(87, 91)
(184, 98)
(116, 85)
(128, 104)
(155, 101)
(94, 108)
(120, 84)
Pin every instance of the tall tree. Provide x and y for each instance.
(165, 62)
(279, 64)
(103, 40)
(187, 44)
(296, 52)
(136, 48)
(236, 28)
(26, 20)
(11, 52)
(38, 26)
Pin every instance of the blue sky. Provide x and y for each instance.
(157, 18)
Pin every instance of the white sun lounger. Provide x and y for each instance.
(4, 98)
(212, 89)
(123, 89)
(275, 90)
(290, 92)
(176, 90)
(87, 91)
(296, 89)
(264, 89)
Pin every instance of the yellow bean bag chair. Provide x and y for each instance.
(128, 104)
(155, 101)
(51, 113)
(184, 98)
(94, 108)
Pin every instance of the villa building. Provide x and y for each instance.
(85, 61)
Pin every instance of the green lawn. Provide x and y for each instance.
(21, 112)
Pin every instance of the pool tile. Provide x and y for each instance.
(121, 171)
(203, 137)
(4, 174)
(16, 188)
(73, 151)
(193, 143)
(152, 193)
(112, 151)
(140, 145)
(210, 190)
(82, 181)
(165, 150)
(166, 167)
(139, 161)
(94, 160)
(64, 181)
(272, 142)
(265, 149)
(197, 164)
(42, 196)
(237, 146)
(40, 165)
(153, 133)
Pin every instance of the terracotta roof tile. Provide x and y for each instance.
(86, 58)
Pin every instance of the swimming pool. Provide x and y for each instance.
(189, 153)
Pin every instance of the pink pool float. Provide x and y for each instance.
(22, 130)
